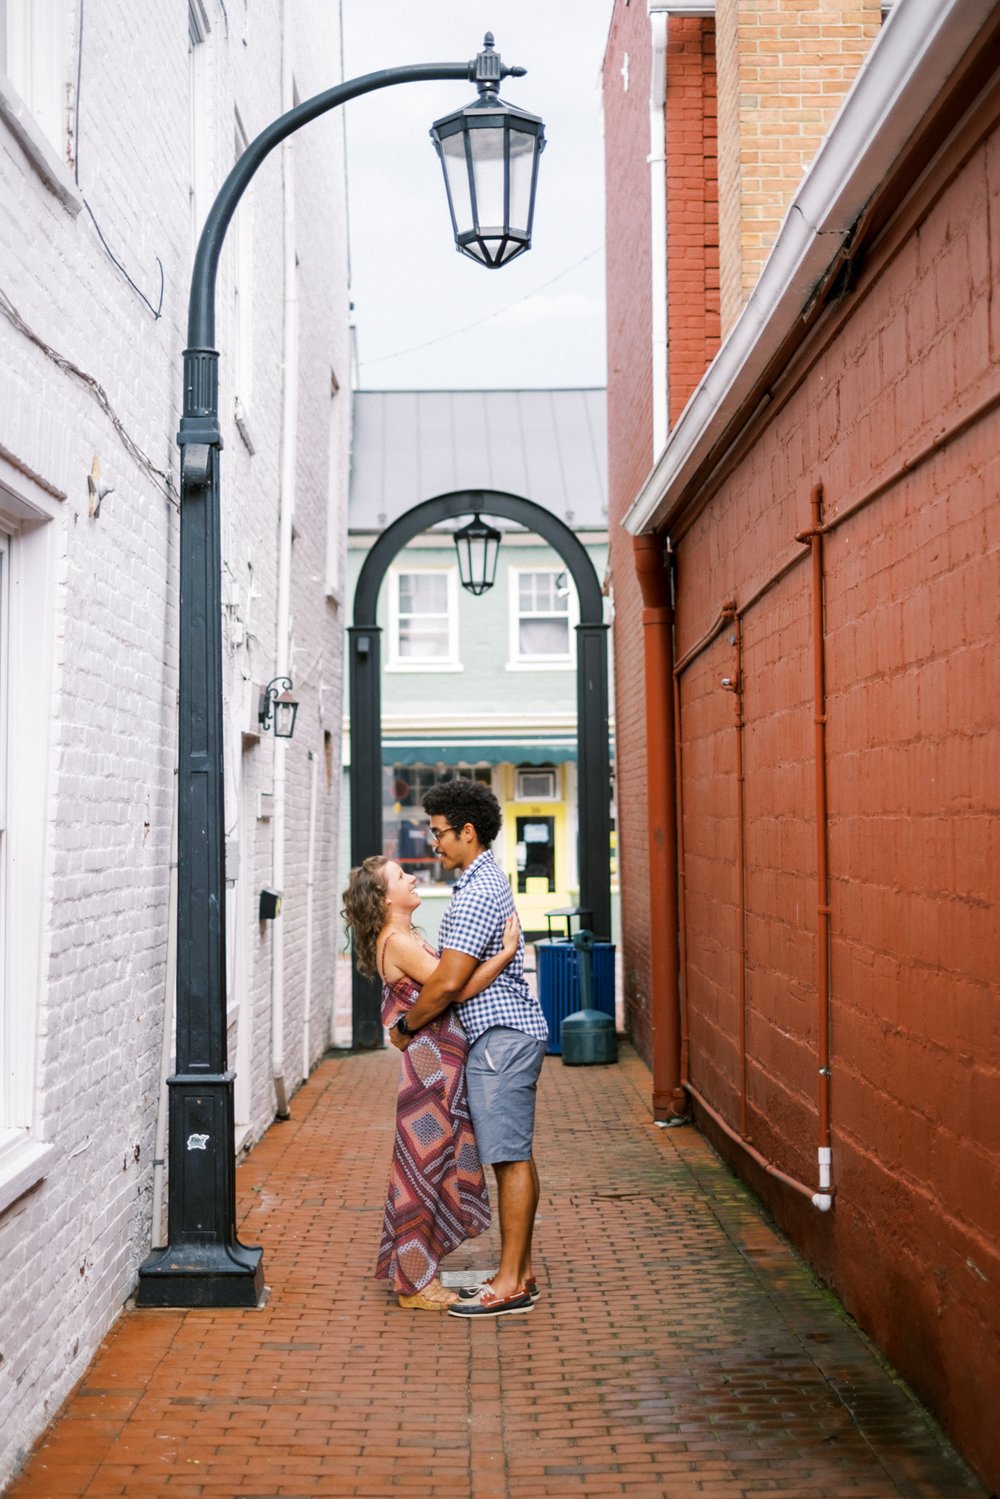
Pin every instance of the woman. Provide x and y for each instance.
(437, 1191)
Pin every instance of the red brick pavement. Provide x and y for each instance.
(680, 1349)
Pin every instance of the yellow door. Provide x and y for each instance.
(535, 853)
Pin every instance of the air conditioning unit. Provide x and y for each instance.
(537, 785)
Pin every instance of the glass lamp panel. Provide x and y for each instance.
(522, 169)
(487, 146)
(456, 173)
(284, 719)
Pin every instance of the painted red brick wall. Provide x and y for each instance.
(630, 456)
(912, 1245)
(692, 206)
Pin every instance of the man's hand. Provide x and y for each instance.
(399, 1041)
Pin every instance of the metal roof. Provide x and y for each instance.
(549, 446)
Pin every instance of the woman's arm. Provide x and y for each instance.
(409, 955)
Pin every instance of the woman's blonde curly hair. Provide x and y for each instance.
(364, 911)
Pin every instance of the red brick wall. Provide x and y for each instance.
(913, 1242)
(630, 455)
(692, 206)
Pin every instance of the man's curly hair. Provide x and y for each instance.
(461, 801)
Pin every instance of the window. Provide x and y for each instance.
(540, 616)
(33, 56)
(406, 826)
(28, 551)
(424, 631)
(336, 494)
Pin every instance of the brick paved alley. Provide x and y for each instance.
(679, 1349)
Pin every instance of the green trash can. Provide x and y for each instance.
(588, 1037)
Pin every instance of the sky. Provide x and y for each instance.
(426, 316)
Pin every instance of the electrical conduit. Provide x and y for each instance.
(286, 508)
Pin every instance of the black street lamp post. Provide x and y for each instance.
(204, 1264)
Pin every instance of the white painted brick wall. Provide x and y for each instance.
(69, 1250)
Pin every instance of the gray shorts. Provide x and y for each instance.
(502, 1074)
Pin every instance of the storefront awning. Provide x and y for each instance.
(468, 752)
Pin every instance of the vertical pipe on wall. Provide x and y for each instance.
(286, 510)
(814, 538)
(310, 881)
(669, 1099)
(734, 684)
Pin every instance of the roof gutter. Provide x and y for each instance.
(916, 52)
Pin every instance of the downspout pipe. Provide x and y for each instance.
(813, 538)
(658, 227)
(669, 1098)
(166, 1047)
(286, 510)
(310, 884)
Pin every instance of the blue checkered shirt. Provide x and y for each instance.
(473, 923)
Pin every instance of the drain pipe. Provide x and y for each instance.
(166, 1046)
(310, 868)
(734, 684)
(286, 507)
(658, 225)
(669, 1098)
(814, 539)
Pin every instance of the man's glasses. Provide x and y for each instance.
(438, 833)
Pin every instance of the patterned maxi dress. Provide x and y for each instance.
(437, 1191)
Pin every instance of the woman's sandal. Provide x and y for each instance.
(433, 1298)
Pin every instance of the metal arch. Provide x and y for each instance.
(487, 502)
(365, 700)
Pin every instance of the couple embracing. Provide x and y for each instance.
(473, 1038)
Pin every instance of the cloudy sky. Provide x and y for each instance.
(426, 316)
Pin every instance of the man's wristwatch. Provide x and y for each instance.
(402, 1027)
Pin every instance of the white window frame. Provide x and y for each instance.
(400, 663)
(26, 667)
(552, 662)
(34, 103)
(338, 467)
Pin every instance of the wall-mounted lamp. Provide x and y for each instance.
(277, 699)
(478, 546)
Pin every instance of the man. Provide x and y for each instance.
(505, 1027)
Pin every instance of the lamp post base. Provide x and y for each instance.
(192, 1275)
(204, 1264)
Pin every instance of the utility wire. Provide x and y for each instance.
(489, 317)
(157, 310)
(163, 481)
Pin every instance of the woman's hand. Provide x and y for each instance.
(511, 939)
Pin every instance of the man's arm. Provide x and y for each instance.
(446, 982)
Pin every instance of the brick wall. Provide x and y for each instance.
(783, 72)
(910, 621)
(692, 206)
(69, 1249)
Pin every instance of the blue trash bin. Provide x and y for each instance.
(559, 994)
